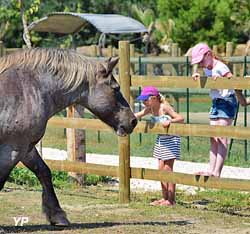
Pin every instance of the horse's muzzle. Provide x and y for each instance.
(125, 130)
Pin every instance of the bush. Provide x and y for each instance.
(22, 176)
(60, 179)
(95, 179)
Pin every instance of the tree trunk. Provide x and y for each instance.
(76, 147)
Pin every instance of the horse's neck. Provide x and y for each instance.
(64, 99)
(58, 98)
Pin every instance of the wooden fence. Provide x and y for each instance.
(124, 171)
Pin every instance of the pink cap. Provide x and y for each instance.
(198, 52)
(147, 92)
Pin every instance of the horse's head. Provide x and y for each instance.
(106, 101)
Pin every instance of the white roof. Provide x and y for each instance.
(68, 22)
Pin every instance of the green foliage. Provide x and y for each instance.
(60, 179)
(95, 179)
(10, 20)
(36, 9)
(226, 200)
(23, 177)
(186, 22)
(204, 20)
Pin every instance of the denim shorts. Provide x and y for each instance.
(223, 108)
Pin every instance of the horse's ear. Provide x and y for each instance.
(112, 63)
(107, 67)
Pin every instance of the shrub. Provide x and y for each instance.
(60, 179)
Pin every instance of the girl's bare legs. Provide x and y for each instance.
(164, 185)
(168, 166)
(221, 156)
(213, 154)
(221, 149)
(214, 142)
(218, 150)
(168, 189)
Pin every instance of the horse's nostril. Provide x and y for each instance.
(134, 122)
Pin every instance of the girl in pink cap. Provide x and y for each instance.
(224, 104)
(167, 147)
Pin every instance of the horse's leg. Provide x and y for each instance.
(9, 157)
(54, 213)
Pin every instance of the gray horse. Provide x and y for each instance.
(37, 83)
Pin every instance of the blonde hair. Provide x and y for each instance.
(162, 99)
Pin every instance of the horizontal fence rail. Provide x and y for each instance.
(182, 59)
(189, 179)
(195, 130)
(78, 123)
(188, 82)
(146, 127)
(80, 167)
(150, 174)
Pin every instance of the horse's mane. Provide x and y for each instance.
(70, 67)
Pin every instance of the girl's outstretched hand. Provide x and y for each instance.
(215, 77)
(166, 123)
(196, 76)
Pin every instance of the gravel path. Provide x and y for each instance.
(180, 166)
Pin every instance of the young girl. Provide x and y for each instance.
(224, 103)
(167, 147)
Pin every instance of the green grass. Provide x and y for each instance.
(96, 209)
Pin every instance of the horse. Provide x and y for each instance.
(37, 83)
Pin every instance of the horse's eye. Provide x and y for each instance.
(116, 87)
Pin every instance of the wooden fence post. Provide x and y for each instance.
(76, 140)
(132, 54)
(229, 49)
(174, 53)
(110, 51)
(124, 142)
(2, 52)
(76, 143)
(94, 53)
(215, 49)
(132, 71)
(229, 53)
(94, 49)
(179, 51)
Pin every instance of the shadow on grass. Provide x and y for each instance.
(203, 204)
(75, 226)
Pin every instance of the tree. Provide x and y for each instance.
(11, 20)
(213, 21)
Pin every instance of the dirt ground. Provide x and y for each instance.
(96, 209)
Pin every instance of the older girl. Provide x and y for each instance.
(224, 104)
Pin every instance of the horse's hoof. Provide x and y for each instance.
(61, 222)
